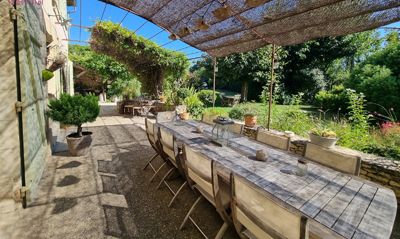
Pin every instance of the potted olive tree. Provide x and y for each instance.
(75, 110)
(323, 137)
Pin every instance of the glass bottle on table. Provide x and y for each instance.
(302, 167)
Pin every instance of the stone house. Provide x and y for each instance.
(28, 29)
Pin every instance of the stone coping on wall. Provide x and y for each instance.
(373, 168)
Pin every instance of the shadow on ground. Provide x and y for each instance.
(107, 193)
(147, 215)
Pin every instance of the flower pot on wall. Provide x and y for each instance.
(79, 145)
(323, 141)
(250, 120)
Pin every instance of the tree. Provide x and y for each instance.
(144, 58)
(74, 110)
(307, 64)
(104, 69)
(378, 76)
(240, 71)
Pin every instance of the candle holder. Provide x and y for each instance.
(220, 132)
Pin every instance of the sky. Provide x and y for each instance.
(92, 11)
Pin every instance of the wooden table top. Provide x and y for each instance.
(346, 205)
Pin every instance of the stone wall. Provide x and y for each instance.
(374, 168)
(32, 52)
(9, 146)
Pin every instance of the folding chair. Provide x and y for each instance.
(153, 136)
(208, 119)
(332, 158)
(199, 171)
(153, 139)
(170, 149)
(256, 216)
(274, 139)
(236, 128)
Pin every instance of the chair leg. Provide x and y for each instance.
(176, 194)
(222, 231)
(190, 212)
(165, 177)
(198, 228)
(151, 159)
(158, 170)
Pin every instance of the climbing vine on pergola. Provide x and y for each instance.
(142, 57)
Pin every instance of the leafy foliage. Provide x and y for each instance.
(336, 99)
(143, 57)
(240, 110)
(194, 106)
(216, 112)
(113, 76)
(244, 72)
(74, 110)
(47, 75)
(207, 96)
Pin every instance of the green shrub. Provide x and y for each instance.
(335, 99)
(194, 106)
(293, 120)
(182, 93)
(240, 110)
(206, 96)
(387, 151)
(47, 75)
(74, 110)
(379, 85)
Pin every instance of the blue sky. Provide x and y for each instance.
(93, 9)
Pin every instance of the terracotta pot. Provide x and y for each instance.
(323, 141)
(250, 120)
(184, 116)
(79, 146)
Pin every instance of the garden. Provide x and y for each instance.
(348, 86)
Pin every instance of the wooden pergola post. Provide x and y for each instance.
(214, 72)
(271, 86)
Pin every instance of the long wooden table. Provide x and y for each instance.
(347, 206)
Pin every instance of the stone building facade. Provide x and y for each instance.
(24, 141)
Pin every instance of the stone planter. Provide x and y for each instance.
(250, 120)
(323, 141)
(79, 146)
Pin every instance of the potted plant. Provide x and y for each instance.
(75, 110)
(323, 137)
(47, 75)
(250, 117)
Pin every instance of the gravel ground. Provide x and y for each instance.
(147, 215)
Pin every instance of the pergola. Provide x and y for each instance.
(223, 27)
